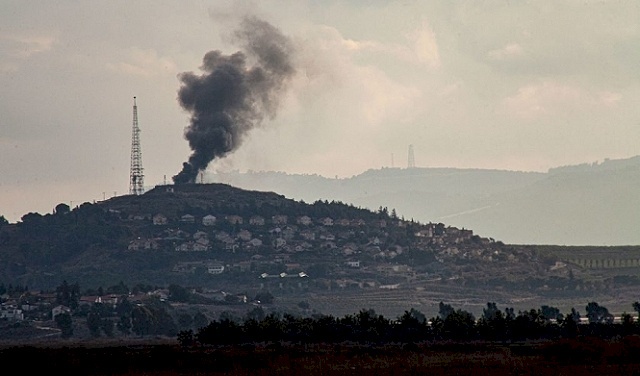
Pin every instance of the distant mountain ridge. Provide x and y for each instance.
(586, 204)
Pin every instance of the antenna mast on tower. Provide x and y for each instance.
(411, 162)
(136, 178)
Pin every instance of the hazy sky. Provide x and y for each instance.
(517, 85)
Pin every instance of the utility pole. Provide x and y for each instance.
(411, 162)
(136, 177)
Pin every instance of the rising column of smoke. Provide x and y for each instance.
(229, 98)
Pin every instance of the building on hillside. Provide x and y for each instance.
(279, 219)
(425, 233)
(160, 219)
(200, 235)
(327, 221)
(235, 219)
(256, 220)
(304, 220)
(58, 310)
(244, 235)
(308, 234)
(143, 244)
(215, 269)
(358, 222)
(209, 220)
(342, 222)
(11, 313)
(188, 218)
(255, 242)
(353, 264)
(349, 249)
(380, 223)
(289, 232)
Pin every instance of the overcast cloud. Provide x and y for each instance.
(492, 84)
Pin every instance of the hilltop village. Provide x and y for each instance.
(323, 245)
(283, 245)
(191, 233)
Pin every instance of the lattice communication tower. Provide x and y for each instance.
(411, 160)
(136, 177)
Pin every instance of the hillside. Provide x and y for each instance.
(224, 240)
(588, 204)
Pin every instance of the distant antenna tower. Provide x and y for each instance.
(411, 161)
(136, 178)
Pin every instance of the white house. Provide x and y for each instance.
(11, 313)
(209, 220)
(255, 242)
(343, 222)
(234, 219)
(244, 235)
(256, 220)
(187, 218)
(304, 220)
(60, 309)
(215, 269)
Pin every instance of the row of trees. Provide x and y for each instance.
(153, 318)
(450, 324)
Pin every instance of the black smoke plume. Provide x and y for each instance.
(230, 98)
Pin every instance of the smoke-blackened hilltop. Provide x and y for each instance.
(229, 98)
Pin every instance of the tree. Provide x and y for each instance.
(256, 314)
(178, 293)
(459, 324)
(492, 323)
(124, 307)
(65, 324)
(124, 324)
(444, 310)
(411, 325)
(120, 289)
(163, 322)
(142, 321)
(68, 295)
(570, 323)
(551, 313)
(186, 338)
(107, 327)
(598, 314)
(61, 209)
(417, 315)
(3, 221)
(200, 320)
(529, 325)
(636, 307)
(31, 218)
(627, 323)
(94, 323)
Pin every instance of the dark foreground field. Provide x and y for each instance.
(580, 356)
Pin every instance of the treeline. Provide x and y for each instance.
(450, 324)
